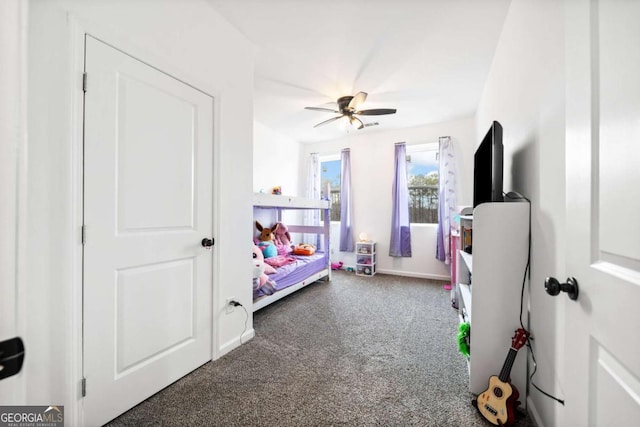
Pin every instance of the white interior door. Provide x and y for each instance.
(602, 370)
(13, 51)
(147, 206)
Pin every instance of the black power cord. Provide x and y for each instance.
(235, 303)
(527, 270)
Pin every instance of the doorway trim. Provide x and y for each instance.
(74, 318)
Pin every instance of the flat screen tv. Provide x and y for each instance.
(487, 167)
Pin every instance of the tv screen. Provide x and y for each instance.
(487, 167)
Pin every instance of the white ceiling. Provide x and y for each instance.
(427, 58)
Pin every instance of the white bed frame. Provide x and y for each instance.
(280, 203)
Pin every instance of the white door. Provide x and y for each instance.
(602, 351)
(147, 206)
(13, 52)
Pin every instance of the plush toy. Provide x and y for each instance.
(336, 265)
(281, 234)
(282, 238)
(261, 282)
(266, 238)
(269, 250)
(463, 338)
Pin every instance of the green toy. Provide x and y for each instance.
(464, 334)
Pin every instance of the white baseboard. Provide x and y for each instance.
(248, 335)
(415, 274)
(236, 342)
(535, 416)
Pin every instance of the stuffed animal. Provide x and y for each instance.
(464, 331)
(336, 265)
(261, 282)
(282, 238)
(266, 238)
(269, 250)
(281, 234)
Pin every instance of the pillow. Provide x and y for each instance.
(304, 249)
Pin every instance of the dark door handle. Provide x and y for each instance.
(207, 243)
(553, 287)
(11, 357)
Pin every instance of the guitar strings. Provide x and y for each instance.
(508, 364)
(524, 279)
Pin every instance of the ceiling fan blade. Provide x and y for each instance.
(357, 100)
(376, 112)
(328, 121)
(321, 109)
(360, 125)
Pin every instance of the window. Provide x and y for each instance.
(422, 171)
(330, 174)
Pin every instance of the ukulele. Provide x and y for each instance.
(498, 402)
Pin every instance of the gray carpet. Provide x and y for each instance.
(357, 351)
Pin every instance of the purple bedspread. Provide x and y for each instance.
(303, 267)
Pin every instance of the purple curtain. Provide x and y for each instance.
(400, 245)
(346, 211)
(312, 216)
(446, 199)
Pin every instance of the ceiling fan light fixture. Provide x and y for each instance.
(356, 122)
(348, 108)
(345, 123)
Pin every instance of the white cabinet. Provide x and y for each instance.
(490, 281)
(366, 258)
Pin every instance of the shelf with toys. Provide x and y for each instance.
(490, 266)
(366, 258)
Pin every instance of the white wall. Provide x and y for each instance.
(275, 161)
(186, 39)
(372, 167)
(525, 93)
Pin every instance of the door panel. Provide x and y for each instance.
(618, 92)
(147, 206)
(602, 371)
(162, 196)
(615, 387)
(142, 335)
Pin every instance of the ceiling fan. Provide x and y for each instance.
(348, 107)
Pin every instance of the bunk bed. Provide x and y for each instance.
(305, 269)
